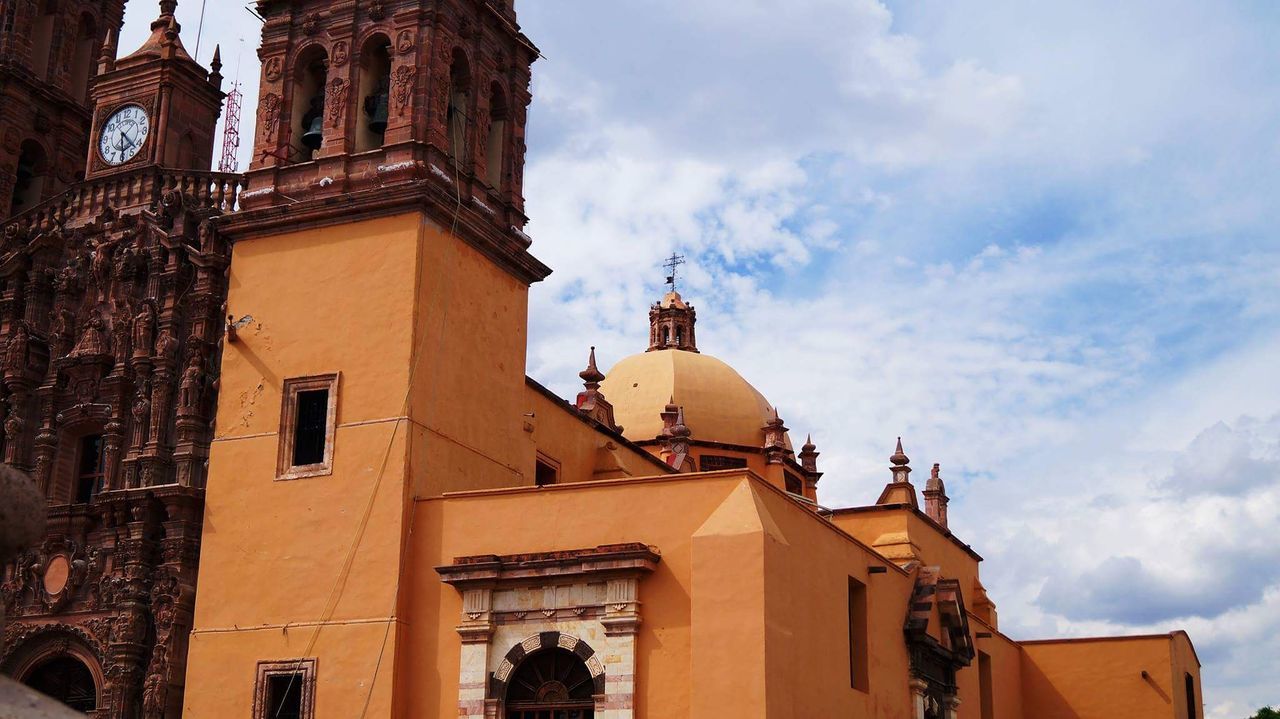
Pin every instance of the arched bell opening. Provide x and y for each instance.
(459, 106)
(82, 64)
(375, 93)
(310, 75)
(551, 684)
(30, 178)
(495, 151)
(42, 33)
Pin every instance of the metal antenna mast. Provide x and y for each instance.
(672, 265)
(231, 128)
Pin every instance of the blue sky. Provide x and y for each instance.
(1036, 240)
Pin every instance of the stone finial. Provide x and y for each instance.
(809, 455)
(215, 67)
(935, 497)
(591, 401)
(675, 436)
(901, 468)
(775, 439)
(107, 58)
(592, 376)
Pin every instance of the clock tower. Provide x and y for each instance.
(157, 106)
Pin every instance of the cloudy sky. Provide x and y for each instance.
(1036, 240)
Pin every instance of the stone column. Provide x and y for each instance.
(473, 670)
(918, 699)
(952, 709)
(621, 623)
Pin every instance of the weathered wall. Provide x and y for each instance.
(1101, 678)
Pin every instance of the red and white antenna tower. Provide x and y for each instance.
(231, 132)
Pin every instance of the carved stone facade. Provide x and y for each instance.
(584, 602)
(111, 320)
(48, 53)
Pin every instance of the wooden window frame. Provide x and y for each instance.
(285, 468)
(275, 668)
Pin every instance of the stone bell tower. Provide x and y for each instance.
(48, 51)
(366, 95)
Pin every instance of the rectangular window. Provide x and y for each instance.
(285, 690)
(985, 699)
(547, 471)
(715, 462)
(1193, 709)
(794, 485)
(90, 468)
(859, 656)
(308, 420)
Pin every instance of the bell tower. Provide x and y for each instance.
(363, 96)
(48, 50)
(156, 106)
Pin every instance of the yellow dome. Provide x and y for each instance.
(719, 405)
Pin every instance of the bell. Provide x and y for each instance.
(314, 136)
(375, 106)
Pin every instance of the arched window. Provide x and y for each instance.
(310, 76)
(82, 66)
(551, 684)
(375, 89)
(495, 152)
(459, 106)
(30, 178)
(42, 38)
(66, 679)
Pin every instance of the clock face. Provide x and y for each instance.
(124, 134)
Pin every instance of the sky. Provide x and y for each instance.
(1036, 240)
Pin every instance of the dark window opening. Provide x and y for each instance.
(459, 105)
(29, 180)
(375, 94)
(715, 462)
(794, 485)
(987, 706)
(67, 680)
(1193, 709)
(495, 153)
(312, 427)
(90, 468)
(545, 473)
(310, 78)
(858, 651)
(284, 696)
(551, 684)
(42, 35)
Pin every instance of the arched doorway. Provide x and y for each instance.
(551, 684)
(66, 679)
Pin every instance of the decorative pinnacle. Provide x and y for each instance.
(166, 19)
(809, 446)
(592, 375)
(680, 429)
(935, 479)
(899, 458)
(216, 64)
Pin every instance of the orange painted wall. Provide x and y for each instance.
(273, 551)
(562, 435)
(1102, 678)
(786, 599)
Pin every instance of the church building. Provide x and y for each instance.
(295, 467)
